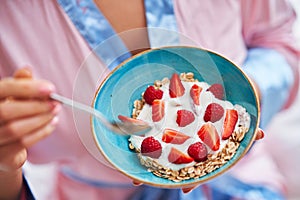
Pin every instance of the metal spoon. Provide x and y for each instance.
(122, 128)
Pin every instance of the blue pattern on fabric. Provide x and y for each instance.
(160, 14)
(226, 187)
(95, 29)
(275, 81)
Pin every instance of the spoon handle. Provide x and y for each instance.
(117, 127)
(79, 106)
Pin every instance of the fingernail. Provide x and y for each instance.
(260, 134)
(47, 88)
(56, 109)
(185, 191)
(135, 183)
(54, 121)
(53, 104)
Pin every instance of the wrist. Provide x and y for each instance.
(11, 184)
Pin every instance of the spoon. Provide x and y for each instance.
(127, 127)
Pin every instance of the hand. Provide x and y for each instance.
(259, 135)
(27, 116)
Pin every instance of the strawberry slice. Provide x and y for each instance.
(126, 119)
(174, 137)
(209, 135)
(158, 110)
(184, 118)
(151, 147)
(151, 94)
(178, 157)
(231, 118)
(195, 94)
(214, 112)
(176, 89)
(217, 90)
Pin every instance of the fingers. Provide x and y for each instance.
(24, 72)
(27, 115)
(16, 109)
(259, 134)
(16, 129)
(184, 190)
(25, 88)
(188, 189)
(39, 134)
(136, 183)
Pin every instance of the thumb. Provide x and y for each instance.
(259, 134)
(24, 72)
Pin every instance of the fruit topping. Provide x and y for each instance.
(217, 90)
(231, 118)
(174, 137)
(195, 94)
(126, 119)
(184, 118)
(176, 89)
(198, 151)
(214, 112)
(158, 110)
(178, 157)
(151, 94)
(209, 135)
(151, 147)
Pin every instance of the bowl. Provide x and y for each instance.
(116, 94)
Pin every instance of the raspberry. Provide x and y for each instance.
(198, 151)
(151, 94)
(217, 90)
(214, 112)
(184, 118)
(151, 147)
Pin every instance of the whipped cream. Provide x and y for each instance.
(172, 105)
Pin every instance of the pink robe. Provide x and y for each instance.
(41, 35)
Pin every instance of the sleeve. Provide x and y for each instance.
(26, 193)
(273, 57)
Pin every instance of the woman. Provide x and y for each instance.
(54, 38)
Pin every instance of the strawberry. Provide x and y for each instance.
(177, 157)
(173, 136)
(198, 151)
(209, 135)
(217, 90)
(184, 118)
(158, 110)
(151, 94)
(126, 119)
(195, 94)
(151, 147)
(214, 112)
(176, 89)
(231, 118)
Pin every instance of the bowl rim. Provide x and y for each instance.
(195, 181)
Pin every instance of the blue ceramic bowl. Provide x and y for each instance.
(126, 83)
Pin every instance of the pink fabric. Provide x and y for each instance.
(240, 25)
(39, 34)
(75, 190)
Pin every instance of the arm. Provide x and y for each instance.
(273, 58)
